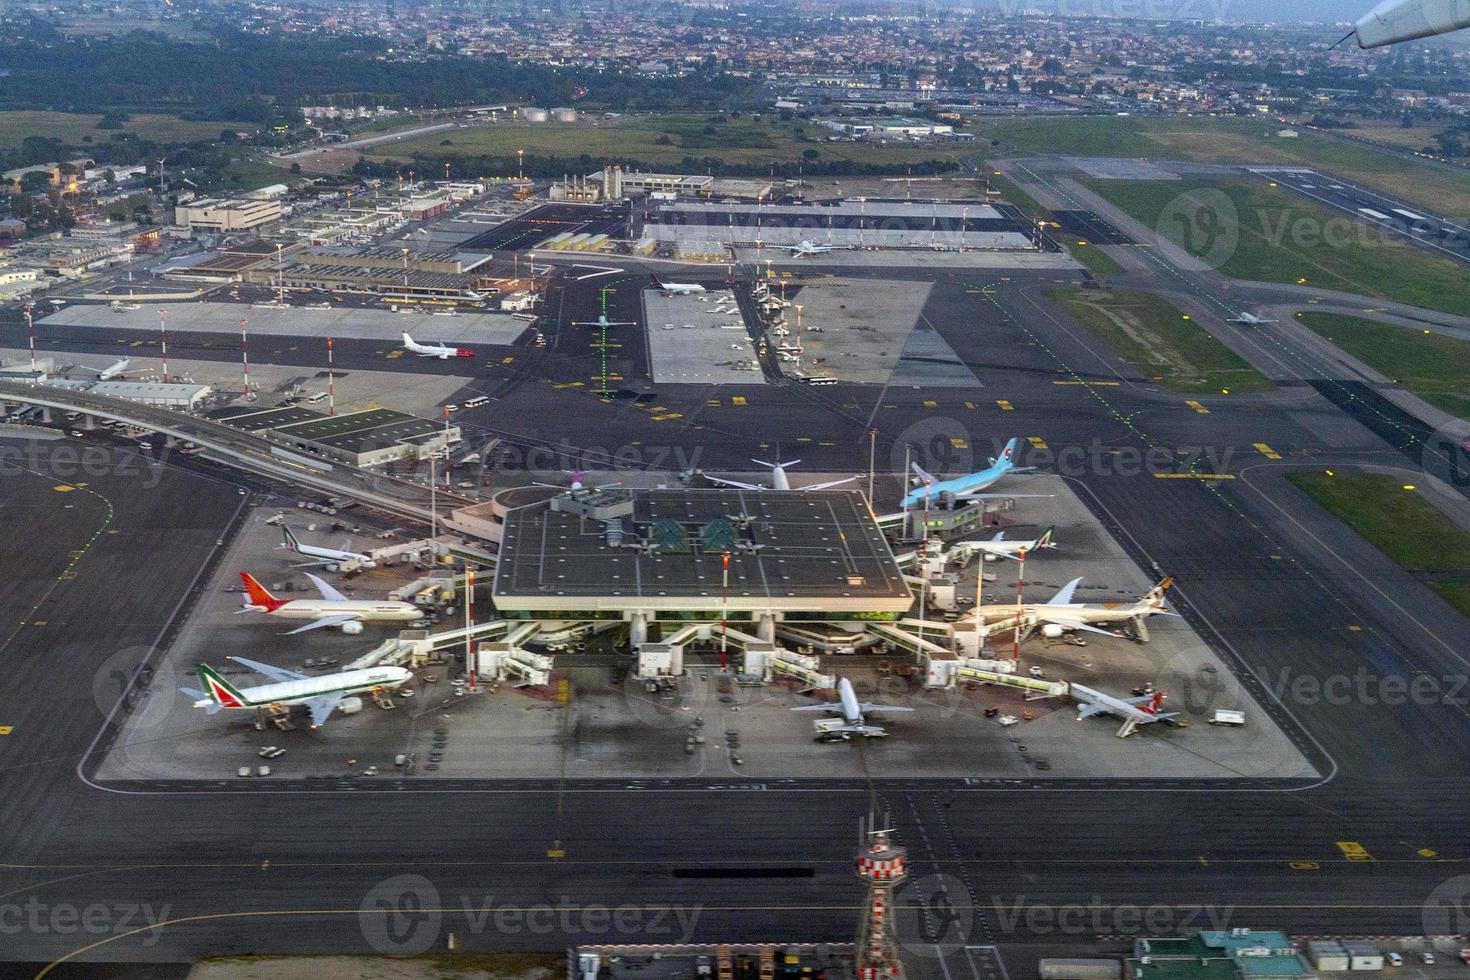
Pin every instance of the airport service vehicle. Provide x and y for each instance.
(1226, 716)
(1137, 711)
(1394, 959)
(321, 695)
(325, 556)
(998, 547)
(1060, 614)
(805, 247)
(677, 288)
(779, 479)
(851, 711)
(441, 351)
(475, 402)
(931, 489)
(333, 609)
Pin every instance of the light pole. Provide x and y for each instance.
(31, 335)
(520, 164)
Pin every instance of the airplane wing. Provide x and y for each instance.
(824, 486)
(210, 707)
(1003, 496)
(1089, 711)
(737, 483)
(274, 673)
(923, 474)
(347, 545)
(880, 708)
(328, 593)
(322, 623)
(832, 706)
(1072, 624)
(1063, 596)
(321, 708)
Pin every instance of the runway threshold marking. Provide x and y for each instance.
(1197, 406)
(1353, 851)
(1266, 450)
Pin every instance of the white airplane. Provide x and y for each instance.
(1394, 21)
(332, 609)
(321, 695)
(325, 556)
(603, 321)
(1060, 614)
(779, 479)
(441, 351)
(851, 711)
(1133, 711)
(113, 370)
(805, 247)
(1248, 318)
(932, 489)
(999, 547)
(677, 288)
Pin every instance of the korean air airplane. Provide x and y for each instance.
(933, 489)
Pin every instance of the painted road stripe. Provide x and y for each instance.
(1036, 442)
(1194, 476)
(738, 400)
(1409, 214)
(1377, 215)
(1266, 450)
(1353, 851)
(1005, 406)
(6, 729)
(1197, 406)
(1100, 384)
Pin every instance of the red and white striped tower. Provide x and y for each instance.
(469, 622)
(163, 340)
(882, 865)
(331, 382)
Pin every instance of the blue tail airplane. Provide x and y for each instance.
(935, 490)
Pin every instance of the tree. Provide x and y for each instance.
(296, 168)
(35, 181)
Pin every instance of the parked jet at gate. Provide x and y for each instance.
(852, 712)
(441, 351)
(1060, 614)
(1133, 711)
(935, 490)
(113, 370)
(321, 695)
(998, 547)
(332, 609)
(779, 479)
(325, 556)
(678, 288)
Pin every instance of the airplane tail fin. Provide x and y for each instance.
(291, 541)
(1155, 597)
(1044, 540)
(407, 340)
(258, 594)
(655, 280)
(1008, 454)
(218, 690)
(1154, 704)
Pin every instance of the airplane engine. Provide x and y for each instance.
(990, 557)
(350, 706)
(1051, 631)
(352, 629)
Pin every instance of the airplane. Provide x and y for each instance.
(963, 487)
(113, 370)
(1134, 711)
(325, 556)
(852, 712)
(998, 547)
(332, 609)
(1248, 318)
(322, 695)
(677, 288)
(805, 247)
(603, 321)
(440, 351)
(1060, 614)
(779, 479)
(1395, 21)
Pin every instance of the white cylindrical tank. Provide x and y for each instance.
(533, 114)
(564, 115)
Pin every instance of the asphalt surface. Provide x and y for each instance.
(1299, 607)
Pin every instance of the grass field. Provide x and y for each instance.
(1431, 365)
(1206, 139)
(1094, 258)
(1286, 238)
(1400, 523)
(1161, 342)
(73, 127)
(664, 140)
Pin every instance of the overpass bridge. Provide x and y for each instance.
(243, 450)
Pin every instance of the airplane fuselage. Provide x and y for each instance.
(346, 683)
(367, 611)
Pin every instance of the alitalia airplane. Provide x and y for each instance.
(332, 609)
(325, 556)
(321, 695)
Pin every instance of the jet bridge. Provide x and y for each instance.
(771, 662)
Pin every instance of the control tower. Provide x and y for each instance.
(882, 865)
